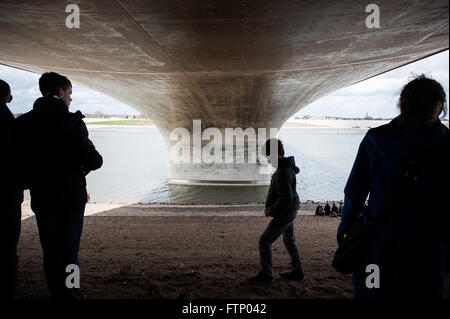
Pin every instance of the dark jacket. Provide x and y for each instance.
(7, 190)
(409, 247)
(6, 122)
(282, 197)
(53, 153)
(327, 209)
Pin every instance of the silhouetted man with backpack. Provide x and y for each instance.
(54, 154)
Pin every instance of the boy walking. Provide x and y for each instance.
(282, 203)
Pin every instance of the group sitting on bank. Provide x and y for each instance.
(332, 211)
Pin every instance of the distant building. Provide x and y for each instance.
(368, 118)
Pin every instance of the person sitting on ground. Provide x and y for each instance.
(319, 210)
(334, 210)
(282, 204)
(340, 209)
(327, 209)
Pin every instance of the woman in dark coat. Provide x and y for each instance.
(408, 243)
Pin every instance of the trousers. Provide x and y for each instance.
(278, 226)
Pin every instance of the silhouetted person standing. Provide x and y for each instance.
(10, 201)
(403, 162)
(52, 149)
(282, 203)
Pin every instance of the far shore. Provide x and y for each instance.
(292, 123)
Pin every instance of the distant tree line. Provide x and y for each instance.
(100, 114)
(367, 117)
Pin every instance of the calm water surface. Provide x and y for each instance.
(135, 167)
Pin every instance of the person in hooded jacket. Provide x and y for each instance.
(334, 210)
(282, 204)
(408, 239)
(53, 154)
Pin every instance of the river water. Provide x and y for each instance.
(135, 167)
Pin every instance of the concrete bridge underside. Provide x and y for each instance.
(234, 63)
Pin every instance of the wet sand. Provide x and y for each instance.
(171, 252)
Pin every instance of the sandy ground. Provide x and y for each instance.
(161, 251)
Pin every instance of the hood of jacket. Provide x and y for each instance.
(290, 162)
(50, 107)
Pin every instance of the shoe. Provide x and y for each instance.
(260, 279)
(293, 275)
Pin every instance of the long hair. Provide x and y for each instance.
(421, 102)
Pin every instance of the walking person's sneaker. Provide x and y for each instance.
(260, 279)
(293, 275)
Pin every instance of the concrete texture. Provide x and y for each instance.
(237, 63)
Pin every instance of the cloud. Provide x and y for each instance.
(373, 86)
(24, 88)
(379, 95)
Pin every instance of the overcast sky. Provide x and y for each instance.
(377, 96)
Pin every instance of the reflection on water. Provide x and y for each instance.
(135, 168)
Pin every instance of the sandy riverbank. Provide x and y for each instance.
(90, 208)
(164, 251)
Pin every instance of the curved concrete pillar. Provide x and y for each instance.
(230, 64)
(218, 156)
